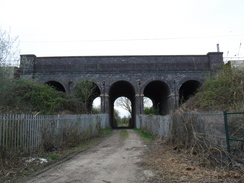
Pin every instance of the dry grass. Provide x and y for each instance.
(173, 164)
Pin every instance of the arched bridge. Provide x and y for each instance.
(166, 80)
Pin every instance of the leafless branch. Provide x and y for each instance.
(8, 49)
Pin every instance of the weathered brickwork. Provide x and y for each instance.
(161, 78)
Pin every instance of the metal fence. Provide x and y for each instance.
(156, 124)
(234, 129)
(25, 133)
(208, 127)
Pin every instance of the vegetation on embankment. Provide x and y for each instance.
(25, 96)
(223, 91)
(22, 96)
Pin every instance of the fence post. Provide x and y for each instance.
(227, 131)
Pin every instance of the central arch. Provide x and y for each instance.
(121, 89)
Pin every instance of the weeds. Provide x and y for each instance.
(54, 156)
(145, 134)
(210, 148)
(107, 132)
(123, 134)
(224, 91)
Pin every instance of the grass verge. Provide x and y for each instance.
(147, 136)
(123, 134)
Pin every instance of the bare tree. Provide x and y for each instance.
(8, 50)
(124, 103)
(8, 56)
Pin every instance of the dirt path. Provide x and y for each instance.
(112, 161)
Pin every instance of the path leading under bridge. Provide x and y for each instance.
(114, 160)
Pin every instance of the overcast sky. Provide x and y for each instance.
(125, 27)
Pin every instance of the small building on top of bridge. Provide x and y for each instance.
(236, 63)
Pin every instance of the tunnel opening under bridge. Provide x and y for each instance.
(187, 90)
(121, 89)
(158, 92)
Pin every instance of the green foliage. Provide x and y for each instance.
(124, 122)
(151, 111)
(96, 110)
(27, 171)
(5, 75)
(107, 132)
(27, 96)
(86, 92)
(123, 134)
(116, 117)
(224, 91)
(54, 156)
(144, 134)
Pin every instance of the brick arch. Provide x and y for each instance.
(57, 85)
(182, 81)
(118, 89)
(188, 89)
(93, 88)
(158, 91)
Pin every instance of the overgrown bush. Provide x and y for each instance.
(18, 95)
(188, 135)
(224, 91)
(151, 111)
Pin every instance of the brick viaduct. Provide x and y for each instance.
(166, 80)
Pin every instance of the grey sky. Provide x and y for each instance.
(125, 27)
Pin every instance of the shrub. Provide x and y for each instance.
(224, 91)
(151, 111)
(27, 96)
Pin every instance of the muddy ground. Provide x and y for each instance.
(127, 159)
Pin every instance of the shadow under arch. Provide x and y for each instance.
(58, 86)
(158, 92)
(87, 91)
(188, 89)
(121, 89)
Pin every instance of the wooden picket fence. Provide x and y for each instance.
(25, 132)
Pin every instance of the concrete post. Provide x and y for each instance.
(139, 103)
(173, 101)
(104, 103)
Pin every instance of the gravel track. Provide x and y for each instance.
(114, 160)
